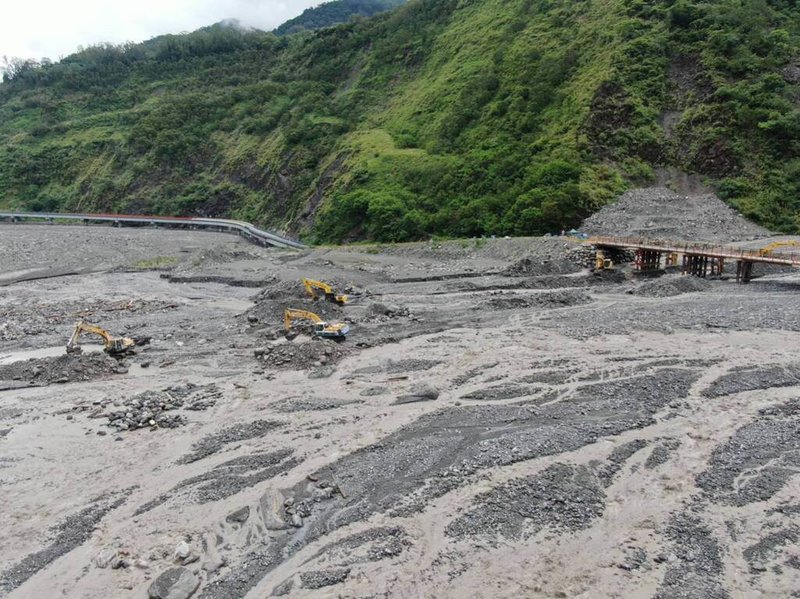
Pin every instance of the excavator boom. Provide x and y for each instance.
(290, 315)
(776, 245)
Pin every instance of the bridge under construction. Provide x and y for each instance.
(697, 259)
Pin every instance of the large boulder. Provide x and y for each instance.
(418, 392)
(272, 510)
(175, 583)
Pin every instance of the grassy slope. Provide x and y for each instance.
(450, 117)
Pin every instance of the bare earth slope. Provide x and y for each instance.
(499, 423)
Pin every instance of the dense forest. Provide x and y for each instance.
(441, 117)
(334, 12)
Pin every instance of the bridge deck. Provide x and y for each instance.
(726, 252)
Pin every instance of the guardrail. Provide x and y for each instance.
(704, 249)
(244, 229)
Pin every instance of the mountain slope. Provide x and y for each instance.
(450, 117)
(334, 12)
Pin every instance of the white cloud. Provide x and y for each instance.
(55, 28)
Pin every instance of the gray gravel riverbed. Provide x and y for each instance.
(499, 422)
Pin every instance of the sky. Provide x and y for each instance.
(55, 28)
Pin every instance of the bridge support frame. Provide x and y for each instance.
(700, 265)
(744, 271)
(647, 260)
(695, 265)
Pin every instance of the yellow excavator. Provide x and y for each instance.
(112, 345)
(327, 330)
(601, 262)
(312, 286)
(776, 245)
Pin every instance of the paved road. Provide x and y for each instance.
(246, 230)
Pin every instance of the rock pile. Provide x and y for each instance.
(67, 368)
(501, 300)
(539, 265)
(661, 213)
(281, 512)
(378, 312)
(319, 579)
(585, 256)
(671, 286)
(150, 409)
(300, 354)
(274, 299)
(582, 255)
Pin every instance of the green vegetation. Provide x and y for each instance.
(157, 263)
(335, 12)
(442, 117)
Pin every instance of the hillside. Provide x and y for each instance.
(444, 117)
(335, 12)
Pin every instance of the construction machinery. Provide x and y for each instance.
(776, 245)
(601, 262)
(313, 286)
(112, 345)
(327, 330)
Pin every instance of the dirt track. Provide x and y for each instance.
(499, 423)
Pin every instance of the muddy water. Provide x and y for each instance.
(46, 352)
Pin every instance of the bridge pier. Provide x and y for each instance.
(693, 265)
(744, 271)
(700, 265)
(647, 260)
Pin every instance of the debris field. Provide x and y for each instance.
(500, 422)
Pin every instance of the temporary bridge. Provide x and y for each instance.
(698, 259)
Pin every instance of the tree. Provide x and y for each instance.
(15, 67)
